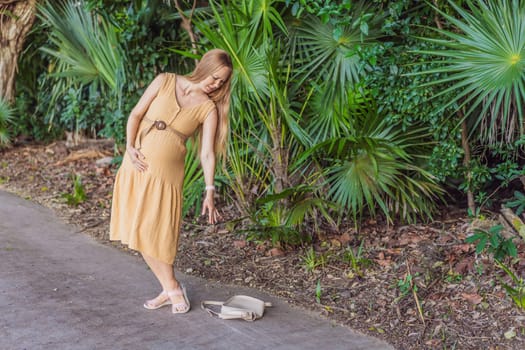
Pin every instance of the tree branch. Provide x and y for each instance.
(186, 25)
(436, 18)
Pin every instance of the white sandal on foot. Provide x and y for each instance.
(152, 305)
(182, 307)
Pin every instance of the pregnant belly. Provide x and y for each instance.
(164, 154)
(163, 148)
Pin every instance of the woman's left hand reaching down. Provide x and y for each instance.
(208, 206)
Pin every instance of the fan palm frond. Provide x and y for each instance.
(484, 66)
(379, 166)
(332, 61)
(86, 46)
(6, 117)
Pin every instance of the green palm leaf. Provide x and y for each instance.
(86, 46)
(379, 166)
(6, 117)
(331, 61)
(484, 64)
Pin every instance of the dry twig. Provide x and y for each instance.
(416, 298)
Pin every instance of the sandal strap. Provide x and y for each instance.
(181, 305)
(155, 303)
(175, 292)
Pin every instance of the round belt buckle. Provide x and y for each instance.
(160, 125)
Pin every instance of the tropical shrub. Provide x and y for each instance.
(6, 118)
(32, 98)
(138, 31)
(485, 63)
(379, 165)
(87, 63)
(283, 105)
(481, 64)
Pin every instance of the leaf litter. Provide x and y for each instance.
(461, 303)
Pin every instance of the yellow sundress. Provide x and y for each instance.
(146, 207)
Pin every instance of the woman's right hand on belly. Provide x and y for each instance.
(137, 158)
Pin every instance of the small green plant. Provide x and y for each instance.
(453, 277)
(493, 242)
(405, 286)
(517, 290)
(281, 217)
(318, 292)
(475, 214)
(518, 203)
(480, 268)
(356, 259)
(311, 260)
(79, 194)
(6, 117)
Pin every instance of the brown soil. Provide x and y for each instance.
(459, 303)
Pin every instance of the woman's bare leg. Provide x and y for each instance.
(166, 277)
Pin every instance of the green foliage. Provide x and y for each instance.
(193, 186)
(312, 260)
(356, 259)
(508, 170)
(89, 54)
(518, 203)
(284, 104)
(484, 65)
(32, 95)
(395, 84)
(332, 60)
(516, 290)
(480, 176)
(338, 14)
(318, 292)
(6, 118)
(406, 286)
(493, 242)
(453, 277)
(87, 62)
(78, 194)
(377, 167)
(472, 71)
(281, 217)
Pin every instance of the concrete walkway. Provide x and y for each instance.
(62, 290)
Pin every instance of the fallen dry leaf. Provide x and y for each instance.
(472, 298)
(461, 248)
(239, 244)
(345, 238)
(335, 243)
(464, 266)
(275, 252)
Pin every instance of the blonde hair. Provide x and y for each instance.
(210, 62)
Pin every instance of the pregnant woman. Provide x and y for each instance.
(147, 196)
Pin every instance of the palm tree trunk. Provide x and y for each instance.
(280, 162)
(16, 18)
(466, 163)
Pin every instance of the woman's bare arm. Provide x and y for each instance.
(135, 117)
(207, 157)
